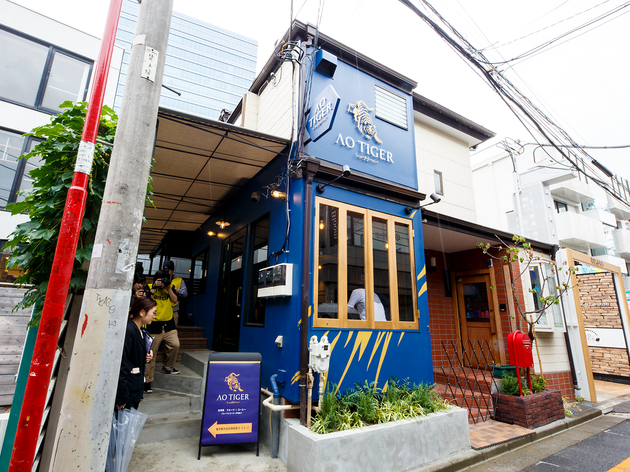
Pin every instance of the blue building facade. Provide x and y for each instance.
(210, 67)
(357, 254)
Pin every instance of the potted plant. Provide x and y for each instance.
(532, 410)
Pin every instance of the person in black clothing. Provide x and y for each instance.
(136, 354)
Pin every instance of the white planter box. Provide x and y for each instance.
(397, 446)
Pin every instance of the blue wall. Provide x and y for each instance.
(394, 159)
(357, 355)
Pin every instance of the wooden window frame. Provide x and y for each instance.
(342, 271)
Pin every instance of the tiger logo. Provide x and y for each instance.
(365, 125)
(233, 382)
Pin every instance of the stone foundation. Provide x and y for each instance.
(530, 411)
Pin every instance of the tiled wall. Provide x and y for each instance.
(561, 381)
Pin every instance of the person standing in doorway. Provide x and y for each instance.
(179, 288)
(163, 327)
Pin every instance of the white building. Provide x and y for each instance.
(43, 63)
(557, 203)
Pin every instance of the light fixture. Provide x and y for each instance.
(321, 224)
(319, 267)
(434, 196)
(211, 233)
(279, 194)
(345, 172)
(432, 266)
(222, 223)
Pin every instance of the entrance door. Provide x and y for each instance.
(476, 315)
(227, 321)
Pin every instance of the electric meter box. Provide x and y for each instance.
(275, 281)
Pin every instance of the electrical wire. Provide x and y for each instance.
(532, 118)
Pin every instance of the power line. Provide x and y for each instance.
(530, 116)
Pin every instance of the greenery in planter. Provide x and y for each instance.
(364, 405)
(509, 385)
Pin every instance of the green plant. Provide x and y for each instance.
(509, 386)
(365, 404)
(33, 243)
(539, 383)
(579, 399)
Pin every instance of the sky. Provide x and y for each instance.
(581, 81)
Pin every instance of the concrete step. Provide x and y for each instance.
(187, 381)
(161, 401)
(162, 427)
(196, 360)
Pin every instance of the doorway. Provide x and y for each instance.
(477, 316)
(227, 321)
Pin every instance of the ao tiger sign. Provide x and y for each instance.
(345, 127)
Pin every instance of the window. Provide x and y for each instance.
(543, 281)
(439, 185)
(14, 171)
(39, 75)
(199, 271)
(365, 269)
(390, 107)
(259, 254)
(560, 207)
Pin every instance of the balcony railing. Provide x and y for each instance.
(622, 242)
(575, 229)
(574, 190)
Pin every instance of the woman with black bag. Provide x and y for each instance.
(136, 354)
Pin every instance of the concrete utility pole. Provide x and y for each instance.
(88, 402)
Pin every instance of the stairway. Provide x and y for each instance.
(174, 407)
(467, 388)
(12, 337)
(190, 339)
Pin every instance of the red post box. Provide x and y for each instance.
(520, 349)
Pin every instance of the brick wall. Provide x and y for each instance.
(600, 310)
(442, 314)
(561, 381)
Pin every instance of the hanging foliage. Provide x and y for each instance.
(33, 243)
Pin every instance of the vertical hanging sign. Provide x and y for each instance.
(232, 399)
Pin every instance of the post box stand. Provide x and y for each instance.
(520, 351)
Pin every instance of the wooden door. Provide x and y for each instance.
(477, 314)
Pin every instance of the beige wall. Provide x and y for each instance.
(436, 150)
(274, 104)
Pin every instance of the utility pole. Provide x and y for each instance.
(35, 392)
(88, 402)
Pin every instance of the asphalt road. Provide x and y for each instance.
(597, 453)
(595, 446)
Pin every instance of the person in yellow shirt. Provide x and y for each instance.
(179, 287)
(163, 328)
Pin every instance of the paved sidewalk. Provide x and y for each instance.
(180, 455)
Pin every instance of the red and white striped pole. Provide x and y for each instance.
(29, 424)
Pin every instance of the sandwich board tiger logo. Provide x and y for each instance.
(233, 382)
(362, 118)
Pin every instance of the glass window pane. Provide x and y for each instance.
(10, 149)
(356, 266)
(380, 257)
(328, 263)
(550, 281)
(476, 302)
(32, 163)
(22, 65)
(200, 273)
(256, 312)
(406, 290)
(536, 282)
(67, 81)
